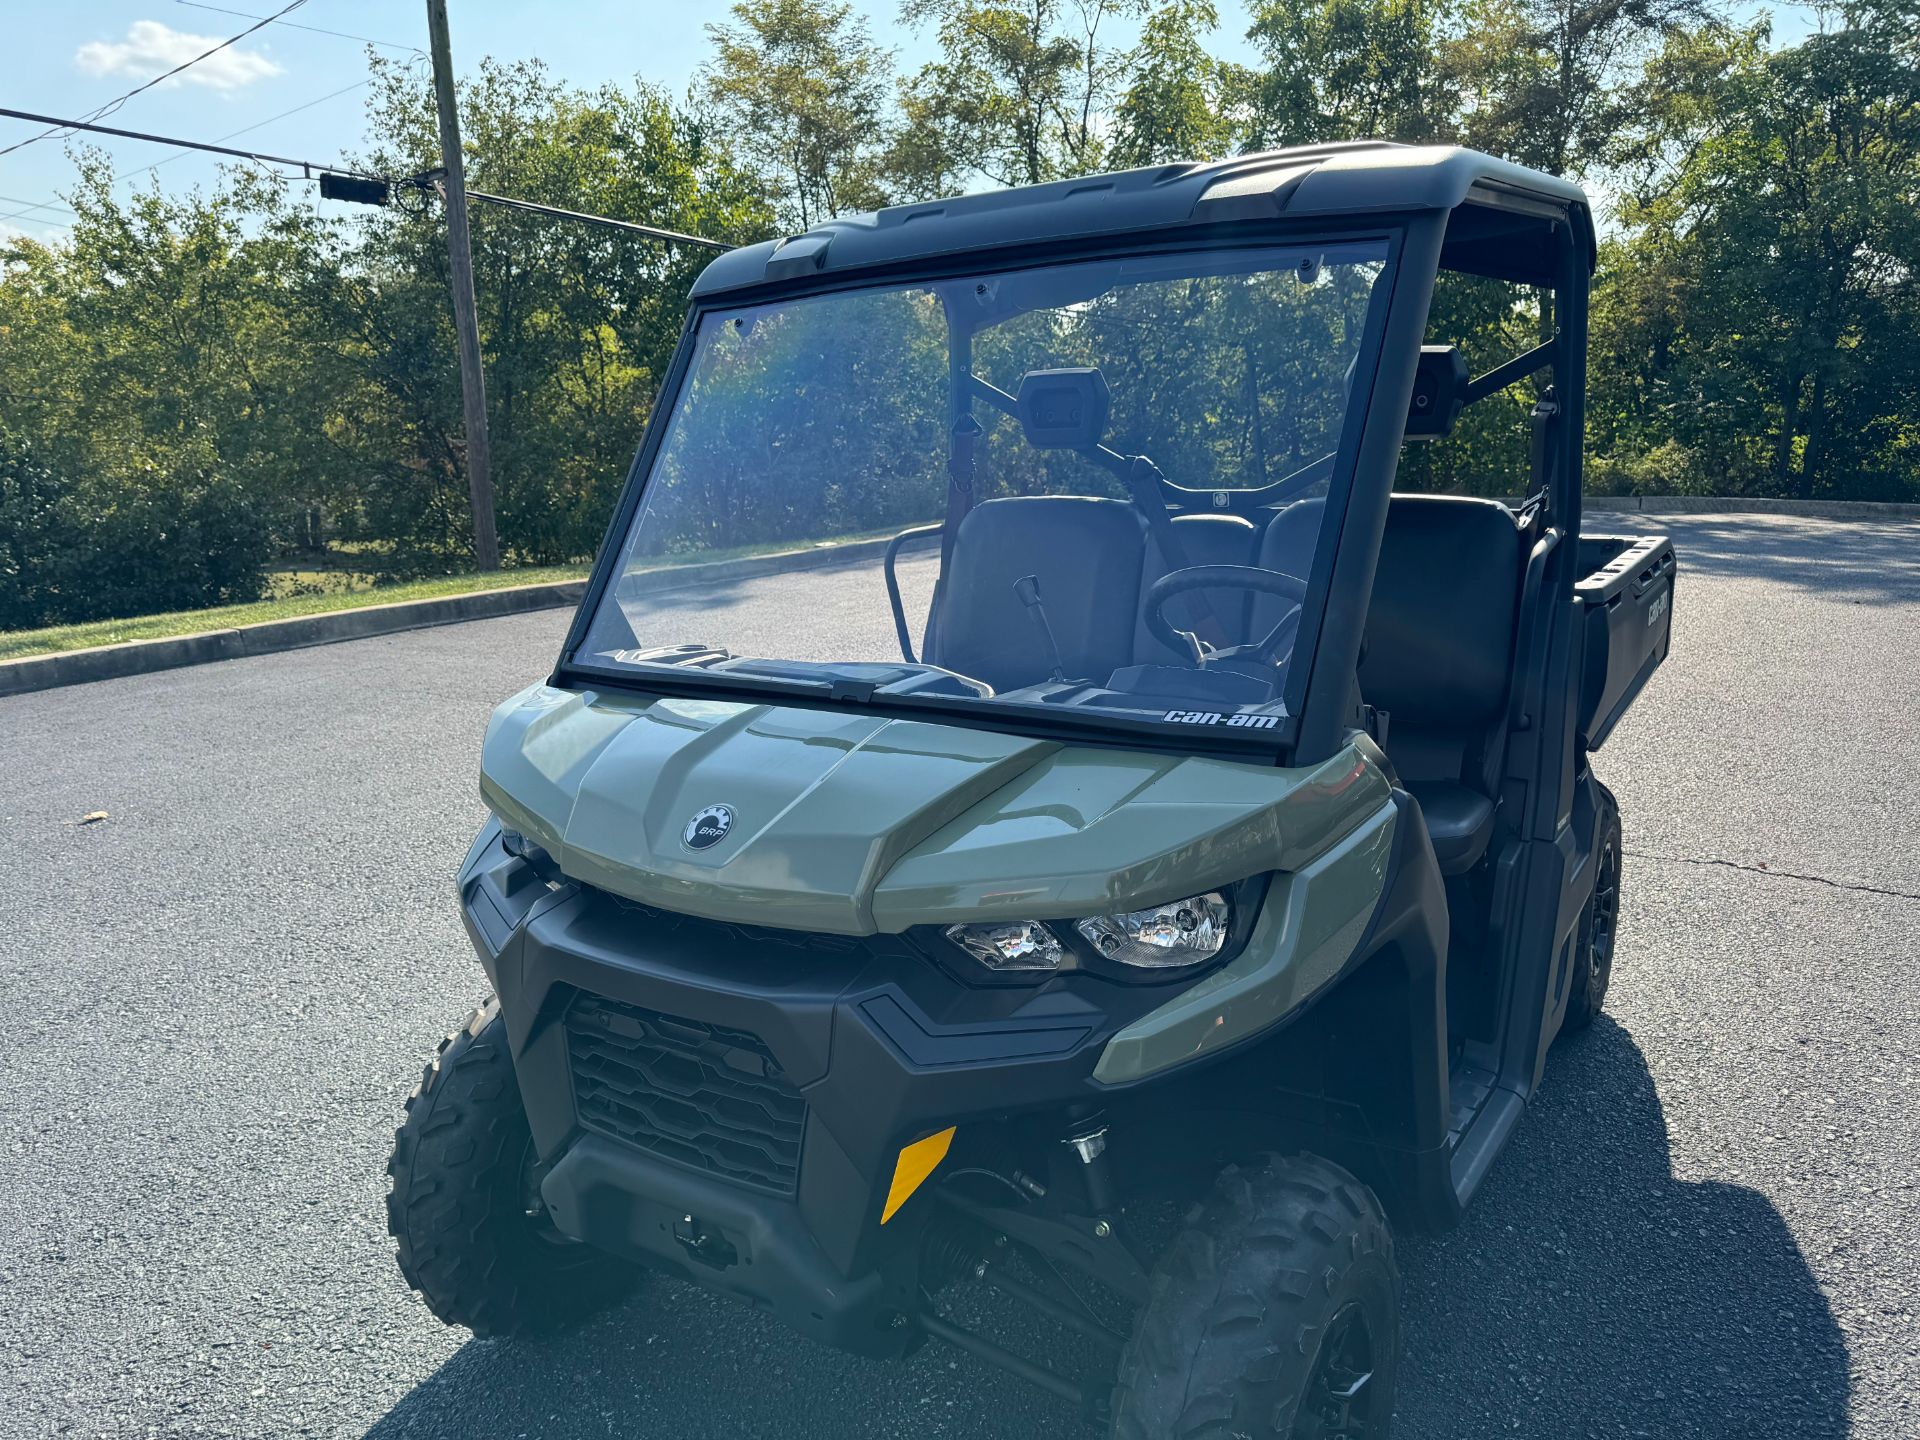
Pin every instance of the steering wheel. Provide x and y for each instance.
(1266, 650)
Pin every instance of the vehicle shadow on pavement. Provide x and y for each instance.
(1589, 1293)
(1591, 1285)
(678, 1363)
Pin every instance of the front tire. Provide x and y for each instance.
(1274, 1315)
(465, 1211)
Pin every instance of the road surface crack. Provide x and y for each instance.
(1753, 868)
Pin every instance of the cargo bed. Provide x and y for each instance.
(1626, 619)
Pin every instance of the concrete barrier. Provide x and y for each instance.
(1755, 505)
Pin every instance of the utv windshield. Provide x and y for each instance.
(1089, 491)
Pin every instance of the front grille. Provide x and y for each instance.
(706, 1096)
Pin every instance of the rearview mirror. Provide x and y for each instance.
(1064, 409)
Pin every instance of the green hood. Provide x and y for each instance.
(851, 823)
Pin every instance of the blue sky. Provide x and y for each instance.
(74, 57)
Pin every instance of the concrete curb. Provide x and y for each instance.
(141, 657)
(1754, 505)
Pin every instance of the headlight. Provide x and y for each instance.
(1173, 936)
(1010, 945)
(1181, 932)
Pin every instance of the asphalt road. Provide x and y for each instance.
(212, 1002)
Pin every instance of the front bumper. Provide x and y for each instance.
(876, 1044)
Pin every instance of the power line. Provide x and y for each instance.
(423, 181)
(119, 100)
(296, 25)
(31, 205)
(230, 135)
(653, 232)
(184, 146)
(175, 142)
(249, 129)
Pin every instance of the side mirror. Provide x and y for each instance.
(1064, 409)
(1439, 392)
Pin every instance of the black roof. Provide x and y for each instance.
(1367, 177)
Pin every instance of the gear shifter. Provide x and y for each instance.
(1027, 589)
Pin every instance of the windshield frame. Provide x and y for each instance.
(1075, 726)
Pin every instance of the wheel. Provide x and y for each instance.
(1275, 1313)
(1593, 946)
(465, 1211)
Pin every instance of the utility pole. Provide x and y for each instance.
(473, 383)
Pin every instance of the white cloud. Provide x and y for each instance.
(9, 232)
(152, 48)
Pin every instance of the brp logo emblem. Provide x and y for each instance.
(708, 827)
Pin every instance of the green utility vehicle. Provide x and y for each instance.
(1021, 775)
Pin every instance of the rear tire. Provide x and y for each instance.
(465, 1211)
(1599, 924)
(1274, 1315)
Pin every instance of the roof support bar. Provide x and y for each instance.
(1512, 371)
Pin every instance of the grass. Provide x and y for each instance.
(296, 593)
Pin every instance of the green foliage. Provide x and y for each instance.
(1756, 325)
(1487, 452)
(1017, 95)
(156, 369)
(577, 322)
(1175, 106)
(154, 539)
(802, 86)
(1547, 82)
(36, 525)
(232, 374)
(1344, 70)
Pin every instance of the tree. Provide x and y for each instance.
(1017, 95)
(1175, 105)
(803, 88)
(1345, 70)
(577, 322)
(1760, 313)
(1544, 82)
(158, 371)
(36, 528)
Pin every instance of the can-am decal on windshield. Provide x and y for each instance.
(1214, 717)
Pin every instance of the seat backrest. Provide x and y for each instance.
(1087, 555)
(1446, 597)
(1440, 634)
(1206, 540)
(1286, 544)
